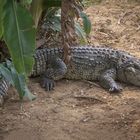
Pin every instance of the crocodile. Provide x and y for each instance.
(102, 64)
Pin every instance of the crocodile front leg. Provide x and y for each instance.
(107, 80)
(55, 71)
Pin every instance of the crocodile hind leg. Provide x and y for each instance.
(55, 71)
(107, 80)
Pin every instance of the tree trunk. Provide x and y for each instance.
(67, 27)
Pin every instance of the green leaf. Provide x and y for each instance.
(86, 23)
(4, 71)
(53, 20)
(52, 3)
(19, 35)
(20, 85)
(1, 17)
(80, 32)
(38, 6)
(26, 1)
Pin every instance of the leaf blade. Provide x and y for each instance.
(1, 17)
(86, 23)
(19, 35)
(16, 80)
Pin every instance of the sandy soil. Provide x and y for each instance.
(78, 110)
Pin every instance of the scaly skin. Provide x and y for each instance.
(4, 85)
(95, 64)
(90, 63)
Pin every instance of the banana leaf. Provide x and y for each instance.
(19, 35)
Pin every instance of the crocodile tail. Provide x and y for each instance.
(4, 86)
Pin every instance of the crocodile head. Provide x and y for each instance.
(129, 72)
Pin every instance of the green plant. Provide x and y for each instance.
(18, 23)
(53, 21)
(18, 32)
(15, 79)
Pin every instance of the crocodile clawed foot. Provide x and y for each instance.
(47, 83)
(115, 89)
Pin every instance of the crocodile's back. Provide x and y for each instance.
(85, 63)
(89, 62)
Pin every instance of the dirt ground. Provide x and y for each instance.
(79, 110)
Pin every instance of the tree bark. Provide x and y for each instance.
(67, 27)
